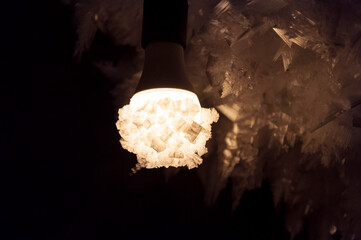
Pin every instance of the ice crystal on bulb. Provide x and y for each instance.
(166, 127)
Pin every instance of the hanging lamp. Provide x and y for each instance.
(164, 123)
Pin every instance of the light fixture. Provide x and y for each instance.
(164, 123)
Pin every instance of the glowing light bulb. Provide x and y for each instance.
(166, 127)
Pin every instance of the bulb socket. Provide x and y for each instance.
(165, 21)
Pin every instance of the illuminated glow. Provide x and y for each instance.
(166, 127)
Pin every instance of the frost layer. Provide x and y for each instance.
(166, 127)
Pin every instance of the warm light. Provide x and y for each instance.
(166, 127)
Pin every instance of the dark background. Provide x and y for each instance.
(64, 173)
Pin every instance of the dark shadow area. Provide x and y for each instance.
(64, 174)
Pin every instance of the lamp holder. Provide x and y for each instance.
(164, 21)
(164, 40)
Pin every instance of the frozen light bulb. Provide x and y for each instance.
(166, 127)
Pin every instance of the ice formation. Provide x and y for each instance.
(166, 127)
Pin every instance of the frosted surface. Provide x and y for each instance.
(166, 127)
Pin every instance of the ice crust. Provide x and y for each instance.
(165, 132)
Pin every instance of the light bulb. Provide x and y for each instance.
(164, 123)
